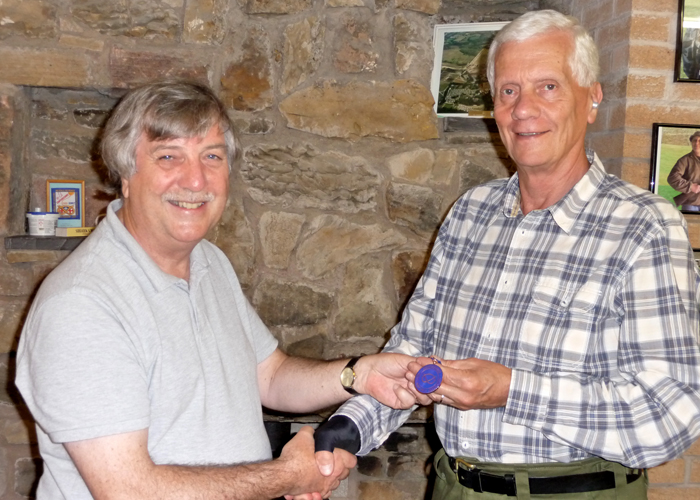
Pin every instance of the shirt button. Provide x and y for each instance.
(465, 445)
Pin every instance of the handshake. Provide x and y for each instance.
(391, 379)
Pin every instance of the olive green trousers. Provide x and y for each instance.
(447, 486)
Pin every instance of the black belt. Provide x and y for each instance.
(480, 481)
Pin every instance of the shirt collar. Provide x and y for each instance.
(160, 280)
(565, 211)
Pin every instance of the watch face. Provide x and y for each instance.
(347, 377)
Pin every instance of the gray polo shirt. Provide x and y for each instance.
(112, 344)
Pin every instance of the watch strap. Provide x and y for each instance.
(351, 365)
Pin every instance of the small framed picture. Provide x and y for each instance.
(688, 42)
(458, 83)
(675, 165)
(67, 198)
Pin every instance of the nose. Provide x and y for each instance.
(193, 175)
(526, 106)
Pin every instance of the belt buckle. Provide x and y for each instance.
(460, 461)
(476, 473)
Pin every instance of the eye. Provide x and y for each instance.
(507, 91)
(212, 156)
(550, 86)
(165, 157)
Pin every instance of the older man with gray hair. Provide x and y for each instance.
(560, 308)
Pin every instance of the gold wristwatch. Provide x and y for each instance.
(347, 376)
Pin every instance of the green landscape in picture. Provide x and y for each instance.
(463, 84)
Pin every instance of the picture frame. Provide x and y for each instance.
(67, 198)
(458, 82)
(687, 67)
(669, 143)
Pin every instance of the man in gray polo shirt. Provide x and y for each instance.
(142, 362)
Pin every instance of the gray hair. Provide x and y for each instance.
(161, 110)
(583, 60)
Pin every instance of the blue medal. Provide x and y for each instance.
(428, 379)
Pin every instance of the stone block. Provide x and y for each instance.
(646, 86)
(445, 163)
(651, 57)
(254, 125)
(417, 207)
(79, 42)
(300, 176)
(152, 19)
(679, 493)
(48, 144)
(407, 269)
(670, 472)
(130, 68)
(332, 241)
(303, 52)
(234, 236)
(651, 28)
(28, 18)
(409, 440)
(381, 490)
(370, 466)
(246, 84)
(282, 303)
(279, 233)
(480, 169)
(354, 46)
(44, 68)
(401, 111)
(27, 473)
(276, 6)
(12, 315)
(20, 432)
(408, 468)
(412, 56)
(17, 281)
(424, 6)
(413, 166)
(635, 145)
(365, 308)
(205, 21)
(313, 347)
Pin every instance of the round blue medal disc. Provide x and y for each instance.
(428, 379)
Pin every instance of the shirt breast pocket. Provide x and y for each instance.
(557, 329)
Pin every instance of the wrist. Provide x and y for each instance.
(361, 372)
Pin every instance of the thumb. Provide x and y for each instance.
(324, 460)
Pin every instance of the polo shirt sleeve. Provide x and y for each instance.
(79, 372)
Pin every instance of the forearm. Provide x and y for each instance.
(302, 385)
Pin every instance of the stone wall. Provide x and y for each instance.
(343, 178)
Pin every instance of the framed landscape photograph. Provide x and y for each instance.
(67, 198)
(671, 146)
(688, 42)
(458, 84)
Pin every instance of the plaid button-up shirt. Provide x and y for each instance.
(593, 302)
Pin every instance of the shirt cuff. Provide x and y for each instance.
(528, 399)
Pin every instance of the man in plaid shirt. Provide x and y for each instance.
(563, 303)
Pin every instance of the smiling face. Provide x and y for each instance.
(540, 109)
(178, 192)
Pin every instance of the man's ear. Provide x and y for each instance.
(125, 188)
(596, 96)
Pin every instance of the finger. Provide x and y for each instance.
(405, 398)
(324, 461)
(421, 399)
